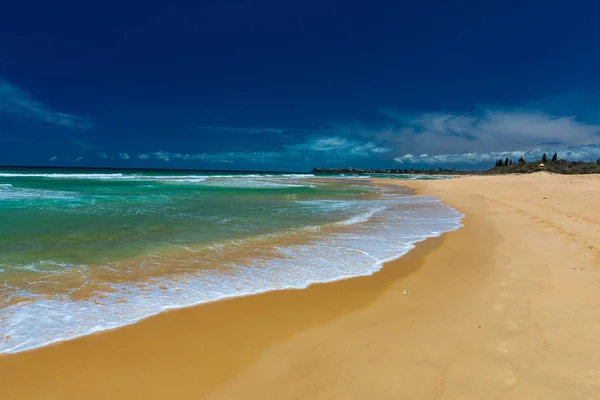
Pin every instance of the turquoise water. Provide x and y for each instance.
(84, 251)
(96, 218)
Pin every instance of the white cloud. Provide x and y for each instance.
(102, 155)
(324, 144)
(253, 156)
(340, 145)
(367, 148)
(381, 150)
(124, 156)
(53, 158)
(16, 101)
(166, 156)
(335, 147)
(78, 159)
(226, 158)
(159, 155)
(578, 153)
(486, 131)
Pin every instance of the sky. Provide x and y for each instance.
(288, 86)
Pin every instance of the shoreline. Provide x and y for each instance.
(235, 308)
(292, 283)
(382, 265)
(479, 312)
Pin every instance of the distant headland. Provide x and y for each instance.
(501, 167)
(546, 163)
(397, 171)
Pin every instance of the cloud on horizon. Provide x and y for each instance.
(334, 147)
(577, 153)
(489, 130)
(340, 145)
(260, 157)
(16, 101)
(428, 138)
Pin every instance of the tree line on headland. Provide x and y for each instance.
(504, 166)
(521, 166)
(506, 162)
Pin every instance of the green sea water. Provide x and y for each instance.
(90, 218)
(88, 250)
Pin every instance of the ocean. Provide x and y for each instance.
(83, 251)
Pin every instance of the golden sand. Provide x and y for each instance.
(507, 307)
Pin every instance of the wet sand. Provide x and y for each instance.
(507, 307)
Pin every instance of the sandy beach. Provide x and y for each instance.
(507, 307)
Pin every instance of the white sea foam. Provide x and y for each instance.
(386, 231)
(179, 180)
(14, 193)
(121, 176)
(253, 183)
(241, 180)
(59, 176)
(299, 175)
(359, 218)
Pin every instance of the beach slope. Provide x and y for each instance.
(507, 307)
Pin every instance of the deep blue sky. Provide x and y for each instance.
(291, 85)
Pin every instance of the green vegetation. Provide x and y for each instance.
(554, 165)
(502, 166)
